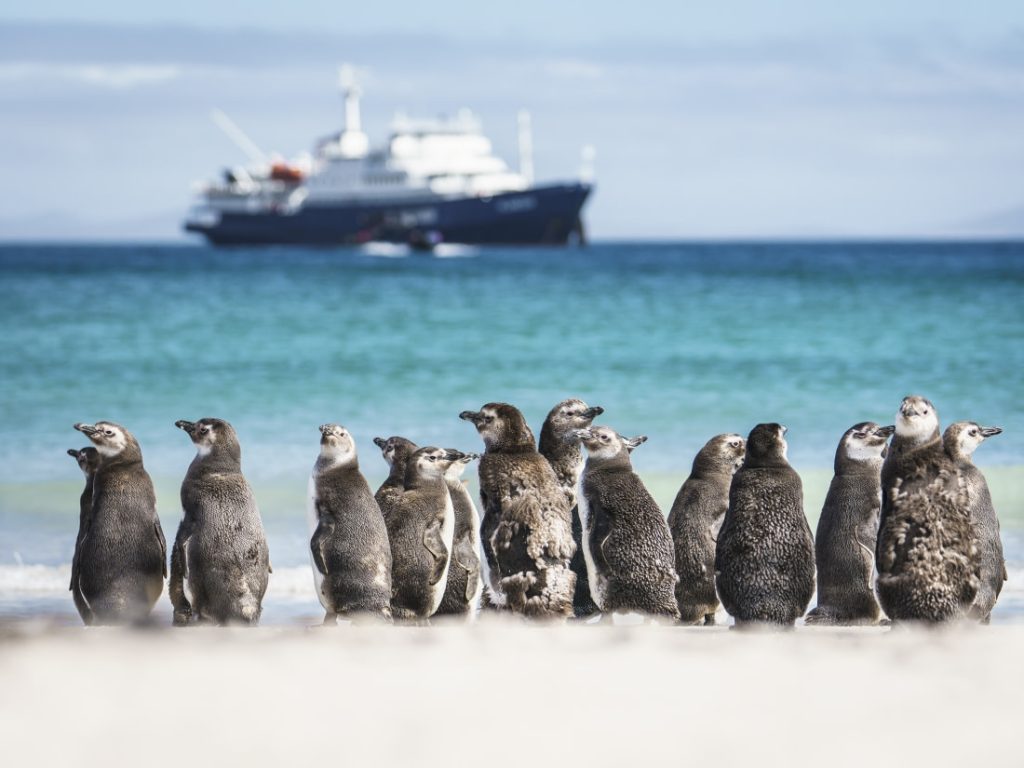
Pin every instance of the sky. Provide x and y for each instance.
(726, 120)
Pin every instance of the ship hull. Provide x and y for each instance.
(547, 215)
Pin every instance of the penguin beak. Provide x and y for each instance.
(634, 442)
(581, 434)
(468, 457)
(73, 453)
(380, 442)
(88, 429)
(474, 416)
(886, 431)
(324, 428)
(452, 455)
(592, 413)
(991, 431)
(187, 426)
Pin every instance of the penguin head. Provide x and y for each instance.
(863, 442)
(459, 463)
(604, 443)
(211, 435)
(766, 445)
(88, 459)
(570, 415)
(502, 426)
(109, 438)
(962, 438)
(916, 419)
(336, 444)
(395, 449)
(722, 453)
(430, 462)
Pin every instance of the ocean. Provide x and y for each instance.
(677, 341)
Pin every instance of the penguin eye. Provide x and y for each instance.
(108, 432)
(974, 433)
(204, 430)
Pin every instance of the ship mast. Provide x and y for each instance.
(352, 143)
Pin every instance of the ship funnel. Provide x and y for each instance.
(525, 147)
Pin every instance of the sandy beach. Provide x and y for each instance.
(503, 693)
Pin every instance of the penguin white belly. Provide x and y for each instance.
(598, 584)
(313, 521)
(447, 536)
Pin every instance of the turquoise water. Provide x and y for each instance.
(676, 341)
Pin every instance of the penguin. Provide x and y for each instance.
(122, 555)
(764, 557)
(960, 441)
(88, 460)
(626, 541)
(926, 557)
(421, 528)
(694, 520)
(462, 594)
(563, 453)
(220, 564)
(349, 545)
(844, 543)
(396, 452)
(526, 528)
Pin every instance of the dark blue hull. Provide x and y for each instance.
(541, 215)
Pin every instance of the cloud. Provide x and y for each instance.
(109, 76)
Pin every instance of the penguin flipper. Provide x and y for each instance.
(316, 547)
(434, 542)
(176, 584)
(465, 556)
(163, 546)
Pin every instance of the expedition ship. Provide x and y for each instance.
(433, 181)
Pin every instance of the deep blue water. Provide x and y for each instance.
(677, 341)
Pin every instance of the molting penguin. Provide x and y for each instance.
(220, 563)
(960, 441)
(421, 528)
(396, 452)
(764, 558)
(626, 541)
(122, 558)
(462, 595)
(88, 460)
(694, 521)
(526, 528)
(844, 544)
(928, 565)
(349, 546)
(562, 450)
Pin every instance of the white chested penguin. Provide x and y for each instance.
(349, 546)
(562, 450)
(927, 561)
(220, 564)
(421, 528)
(396, 452)
(626, 542)
(844, 544)
(526, 529)
(764, 557)
(88, 460)
(122, 557)
(465, 584)
(960, 441)
(695, 519)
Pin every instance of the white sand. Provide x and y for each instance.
(501, 693)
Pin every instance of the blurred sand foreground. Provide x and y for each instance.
(503, 693)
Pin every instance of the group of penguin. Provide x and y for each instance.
(908, 527)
